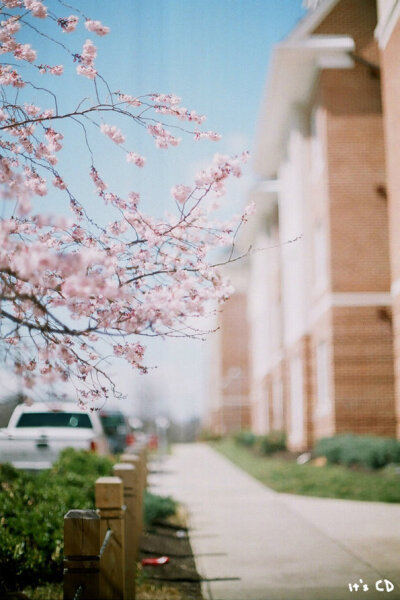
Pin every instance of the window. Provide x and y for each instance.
(55, 419)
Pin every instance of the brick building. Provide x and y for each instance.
(388, 35)
(228, 407)
(319, 299)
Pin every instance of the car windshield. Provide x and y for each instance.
(112, 422)
(55, 419)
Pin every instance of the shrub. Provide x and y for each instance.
(157, 508)
(206, 435)
(245, 438)
(271, 443)
(367, 451)
(32, 507)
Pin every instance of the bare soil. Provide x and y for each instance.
(176, 580)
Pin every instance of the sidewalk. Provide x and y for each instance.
(251, 543)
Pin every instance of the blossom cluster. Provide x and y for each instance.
(66, 282)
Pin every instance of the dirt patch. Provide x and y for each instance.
(176, 580)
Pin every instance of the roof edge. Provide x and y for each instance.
(293, 69)
(311, 21)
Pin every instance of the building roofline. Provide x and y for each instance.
(311, 20)
(294, 67)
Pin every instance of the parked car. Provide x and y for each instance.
(36, 434)
(117, 429)
(152, 441)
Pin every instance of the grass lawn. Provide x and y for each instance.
(330, 481)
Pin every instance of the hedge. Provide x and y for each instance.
(371, 452)
(32, 507)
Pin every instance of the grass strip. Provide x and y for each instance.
(329, 481)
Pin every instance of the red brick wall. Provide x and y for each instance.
(356, 18)
(391, 102)
(360, 339)
(363, 370)
(234, 412)
(229, 419)
(278, 374)
(356, 157)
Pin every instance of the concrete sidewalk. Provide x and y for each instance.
(251, 543)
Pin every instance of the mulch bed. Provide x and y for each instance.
(166, 539)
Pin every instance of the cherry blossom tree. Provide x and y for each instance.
(66, 281)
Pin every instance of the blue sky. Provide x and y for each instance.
(214, 54)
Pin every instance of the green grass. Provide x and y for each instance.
(50, 591)
(330, 481)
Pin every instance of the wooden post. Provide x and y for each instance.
(135, 461)
(81, 554)
(140, 450)
(126, 472)
(109, 502)
(143, 453)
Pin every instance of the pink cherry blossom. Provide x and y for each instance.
(57, 70)
(25, 52)
(113, 133)
(181, 193)
(96, 27)
(68, 24)
(138, 160)
(86, 71)
(37, 8)
(31, 110)
(129, 99)
(59, 183)
(67, 282)
(89, 52)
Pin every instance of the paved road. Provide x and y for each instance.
(252, 543)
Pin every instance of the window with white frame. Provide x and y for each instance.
(323, 391)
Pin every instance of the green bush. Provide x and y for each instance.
(157, 508)
(245, 438)
(206, 435)
(367, 451)
(32, 507)
(271, 443)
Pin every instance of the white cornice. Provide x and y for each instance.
(312, 19)
(389, 16)
(347, 300)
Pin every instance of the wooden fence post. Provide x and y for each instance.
(126, 472)
(135, 461)
(109, 502)
(81, 552)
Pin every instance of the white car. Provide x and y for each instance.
(36, 434)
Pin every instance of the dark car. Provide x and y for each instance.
(117, 429)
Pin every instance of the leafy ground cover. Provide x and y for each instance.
(328, 481)
(32, 507)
